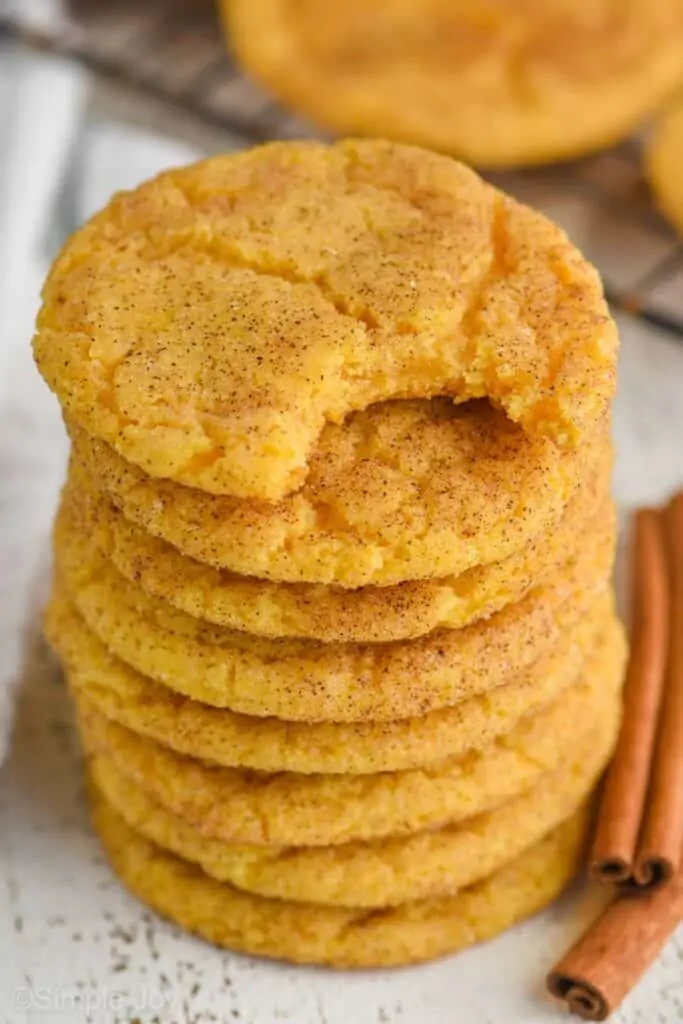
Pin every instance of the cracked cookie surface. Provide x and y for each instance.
(404, 490)
(210, 323)
(507, 83)
(334, 936)
(311, 681)
(328, 613)
(271, 745)
(290, 809)
(377, 874)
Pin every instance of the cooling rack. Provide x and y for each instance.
(173, 50)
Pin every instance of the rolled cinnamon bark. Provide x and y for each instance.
(613, 852)
(604, 965)
(661, 842)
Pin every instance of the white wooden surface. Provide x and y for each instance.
(74, 947)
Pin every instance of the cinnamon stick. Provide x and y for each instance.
(624, 793)
(604, 965)
(661, 843)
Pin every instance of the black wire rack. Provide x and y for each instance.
(174, 51)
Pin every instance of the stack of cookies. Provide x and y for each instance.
(332, 587)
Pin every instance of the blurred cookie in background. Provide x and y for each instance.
(663, 157)
(502, 84)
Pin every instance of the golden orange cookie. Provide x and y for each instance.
(332, 935)
(406, 490)
(314, 611)
(268, 744)
(209, 323)
(511, 82)
(382, 873)
(287, 809)
(309, 681)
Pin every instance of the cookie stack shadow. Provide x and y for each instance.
(306, 736)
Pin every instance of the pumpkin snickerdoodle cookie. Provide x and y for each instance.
(335, 936)
(289, 809)
(310, 681)
(210, 323)
(375, 874)
(405, 490)
(271, 745)
(331, 614)
(506, 83)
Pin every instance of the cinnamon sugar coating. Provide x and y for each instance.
(209, 324)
